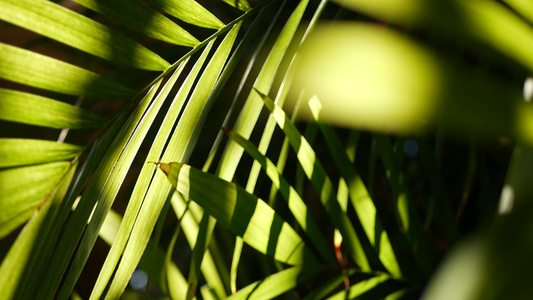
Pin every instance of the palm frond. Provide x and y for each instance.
(145, 168)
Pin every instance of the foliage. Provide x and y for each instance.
(176, 146)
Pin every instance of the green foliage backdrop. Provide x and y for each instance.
(271, 149)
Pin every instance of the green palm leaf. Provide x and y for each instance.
(397, 215)
(66, 26)
(136, 15)
(33, 69)
(17, 201)
(189, 11)
(37, 110)
(21, 152)
(322, 183)
(241, 212)
(25, 253)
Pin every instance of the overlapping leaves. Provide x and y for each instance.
(64, 192)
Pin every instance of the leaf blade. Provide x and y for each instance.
(294, 201)
(24, 254)
(143, 18)
(189, 11)
(236, 209)
(250, 112)
(23, 189)
(315, 172)
(33, 69)
(276, 284)
(56, 22)
(32, 109)
(20, 152)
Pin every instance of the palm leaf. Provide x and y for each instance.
(24, 254)
(26, 67)
(18, 202)
(59, 23)
(295, 203)
(20, 152)
(241, 212)
(316, 174)
(32, 109)
(136, 14)
(62, 197)
(189, 11)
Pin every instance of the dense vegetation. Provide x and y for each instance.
(272, 149)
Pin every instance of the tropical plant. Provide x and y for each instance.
(167, 114)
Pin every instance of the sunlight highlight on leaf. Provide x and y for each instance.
(242, 213)
(104, 186)
(32, 109)
(23, 259)
(296, 205)
(120, 161)
(57, 22)
(315, 172)
(23, 189)
(189, 11)
(250, 112)
(143, 18)
(360, 288)
(26, 67)
(131, 211)
(276, 284)
(182, 138)
(240, 4)
(524, 7)
(20, 152)
(190, 225)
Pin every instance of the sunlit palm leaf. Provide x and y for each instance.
(109, 232)
(295, 203)
(250, 112)
(23, 189)
(176, 149)
(524, 7)
(360, 199)
(64, 217)
(117, 247)
(21, 152)
(66, 26)
(36, 110)
(275, 285)
(316, 174)
(24, 255)
(241, 212)
(33, 69)
(106, 194)
(360, 288)
(143, 18)
(326, 288)
(108, 181)
(240, 4)
(190, 224)
(189, 11)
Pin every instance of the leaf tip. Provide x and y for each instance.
(162, 166)
(262, 95)
(226, 130)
